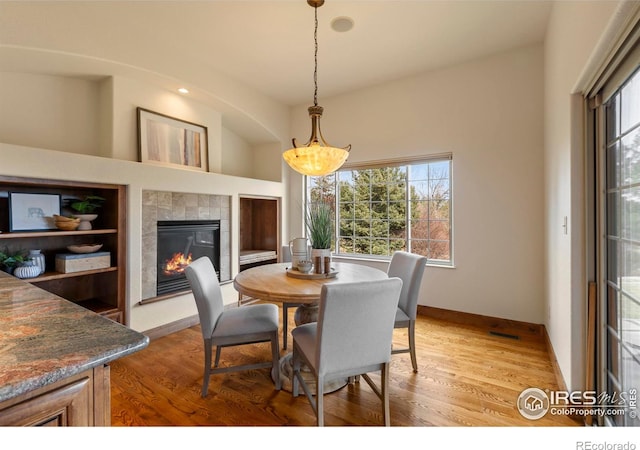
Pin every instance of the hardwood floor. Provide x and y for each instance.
(467, 377)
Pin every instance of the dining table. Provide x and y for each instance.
(280, 283)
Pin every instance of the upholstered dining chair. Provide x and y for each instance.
(351, 338)
(239, 326)
(409, 268)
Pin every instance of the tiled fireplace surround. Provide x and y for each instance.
(160, 205)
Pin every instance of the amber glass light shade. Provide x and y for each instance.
(316, 157)
(315, 160)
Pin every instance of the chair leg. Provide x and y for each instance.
(412, 345)
(218, 349)
(320, 401)
(275, 354)
(285, 307)
(207, 367)
(296, 373)
(385, 395)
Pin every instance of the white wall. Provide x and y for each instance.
(237, 155)
(268, 163)
(573, 32)
(242, 159)
(59, 113)
(488, 113)
(104, 143)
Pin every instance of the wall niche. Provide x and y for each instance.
(259, 231)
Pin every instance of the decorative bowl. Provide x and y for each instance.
(304, 266)
(58, 218)
(66, 223)
(84, 248)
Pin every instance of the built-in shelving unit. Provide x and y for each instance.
(259, 234)
(259, 231)
(100, 290)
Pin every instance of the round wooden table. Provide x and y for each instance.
(271, 283)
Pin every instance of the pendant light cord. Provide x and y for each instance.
(315, 70)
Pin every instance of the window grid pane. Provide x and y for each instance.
(382, 210)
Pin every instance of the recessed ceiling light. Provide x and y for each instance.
(183, 90)
(342, 24)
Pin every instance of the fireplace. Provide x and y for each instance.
(179, 243)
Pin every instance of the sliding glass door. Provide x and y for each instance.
(620, 314)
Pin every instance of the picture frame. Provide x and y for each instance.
(33, 212)
(167, 141)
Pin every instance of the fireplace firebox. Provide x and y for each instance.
(179, 243)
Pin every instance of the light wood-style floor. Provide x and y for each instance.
(467, 377)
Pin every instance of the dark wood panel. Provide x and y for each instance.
(265, 224)
(259, 224)
(100, 286)
(246, 223)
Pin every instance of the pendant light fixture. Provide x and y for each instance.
(316, 157)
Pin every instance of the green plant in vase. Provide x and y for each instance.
(86, 210)
(89, 205)
(319, 223)
(9, 261)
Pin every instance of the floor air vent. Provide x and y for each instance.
(504, 335)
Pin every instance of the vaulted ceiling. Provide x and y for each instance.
(269, 46)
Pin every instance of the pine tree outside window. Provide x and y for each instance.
(396, 206)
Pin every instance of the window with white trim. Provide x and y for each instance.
(381, 208)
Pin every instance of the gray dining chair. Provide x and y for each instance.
(409, 268)
(351, 338)
(239, 326)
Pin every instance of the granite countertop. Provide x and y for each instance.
(45, 338)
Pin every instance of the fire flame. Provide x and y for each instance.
(176, 264)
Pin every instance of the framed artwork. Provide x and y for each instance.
(171, 142)
(32, 212)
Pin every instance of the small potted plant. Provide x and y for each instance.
(320, 228)
(10, 261)
(86, 210)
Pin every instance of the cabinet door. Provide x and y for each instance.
(69, 405)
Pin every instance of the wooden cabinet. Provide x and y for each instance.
(80, 400)
(100, 290)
